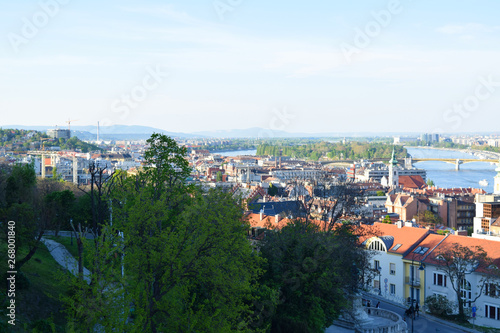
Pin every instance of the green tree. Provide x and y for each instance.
(197, 269)
(430, 182)
(387, 219)
(380, 193)
(272, 190)
(306, 269)
(219, 176)
(427, 217)
(458, 261)
(62, 203)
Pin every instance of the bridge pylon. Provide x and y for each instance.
(457, 164)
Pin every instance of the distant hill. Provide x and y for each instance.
(115, 132)
(263, 133)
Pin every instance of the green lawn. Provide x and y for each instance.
(40, 300)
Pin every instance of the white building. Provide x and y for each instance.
(303, 173)
(395, 241)
(478, 289)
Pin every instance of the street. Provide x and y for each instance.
(421, 324)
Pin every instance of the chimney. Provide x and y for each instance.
(399, 224)
(276, 218)
(261, 214)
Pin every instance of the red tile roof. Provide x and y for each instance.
(412, 182)
(492, 248)
(406, 236)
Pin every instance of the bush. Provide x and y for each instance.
(43, 326)
(438, 305)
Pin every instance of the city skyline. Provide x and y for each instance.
(383, 66)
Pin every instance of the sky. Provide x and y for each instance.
(298, 66)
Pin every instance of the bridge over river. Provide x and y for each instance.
(407, 161)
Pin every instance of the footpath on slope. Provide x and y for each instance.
(64, 258)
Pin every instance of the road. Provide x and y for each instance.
(421, 324)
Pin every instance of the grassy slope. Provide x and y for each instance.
(41, 300)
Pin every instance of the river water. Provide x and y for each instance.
(444, 174)
(237, 152)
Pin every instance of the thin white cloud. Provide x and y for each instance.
(466, 29)
(167, 12)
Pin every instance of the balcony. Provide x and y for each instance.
(416, 281)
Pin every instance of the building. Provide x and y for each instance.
(478, 288)
(395, 242)
(406, 206)
(58, 133)
(429, 137)
(302, 173)
(486, 220)
(378, 171)
(410, 269)
(393, 172)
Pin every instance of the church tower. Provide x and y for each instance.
(496, 186)
(393, 171)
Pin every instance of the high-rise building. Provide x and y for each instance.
(57, 133)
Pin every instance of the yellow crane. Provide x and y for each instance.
(43, 143)
(69, 123)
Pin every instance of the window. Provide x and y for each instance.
(376, 284)
(421, 250)
(377, 245)
(377, 264)
(492, 290)
(397, 246)
(439, 279)
(466, 292)
(393, 269)
(393, 289)
(485, 225)
(492, 312)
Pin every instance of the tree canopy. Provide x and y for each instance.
(457, 262)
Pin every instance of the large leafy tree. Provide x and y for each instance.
(458, 261)
(188, 265)
(426, 217)
(306, 267)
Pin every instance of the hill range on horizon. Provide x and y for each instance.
(138, 132)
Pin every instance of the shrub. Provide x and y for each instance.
(438, 305)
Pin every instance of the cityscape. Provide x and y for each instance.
(235, 166)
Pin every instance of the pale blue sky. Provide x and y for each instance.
(236, 68)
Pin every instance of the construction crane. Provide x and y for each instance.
(69, 123)
(43, 143)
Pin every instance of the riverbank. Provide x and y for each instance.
(466, 151)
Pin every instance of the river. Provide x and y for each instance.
(236, 152)
(445, 175)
